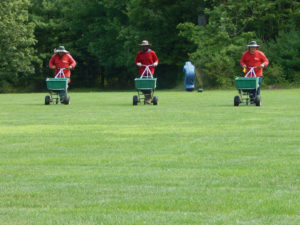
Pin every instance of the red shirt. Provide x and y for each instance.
(146, 58)
(252, 60)
(62, 62)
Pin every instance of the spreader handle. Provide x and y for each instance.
(147, 71)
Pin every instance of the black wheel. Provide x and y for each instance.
(47, 100)
(258, 100)
(135, 100)
(155, 100)
(67, 100)
(237, 100)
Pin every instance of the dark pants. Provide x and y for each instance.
(258, 89)
(259, 83)
(62, 95)
(147, 93)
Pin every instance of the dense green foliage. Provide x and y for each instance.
(103, 37)
(231, 25)
(16, 43)
(193, 159)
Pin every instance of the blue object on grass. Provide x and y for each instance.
(189, 70)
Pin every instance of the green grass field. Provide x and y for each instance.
(193, 159)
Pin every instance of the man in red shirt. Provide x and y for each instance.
(62, 59)
(146, 56)
(254, 58)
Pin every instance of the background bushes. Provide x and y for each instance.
(103, 37)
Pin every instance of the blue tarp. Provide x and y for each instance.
(189, 70)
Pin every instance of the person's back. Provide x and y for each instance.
(189, 70)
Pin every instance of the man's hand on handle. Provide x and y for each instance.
(140, 64)
(54, 67)
(261, 66)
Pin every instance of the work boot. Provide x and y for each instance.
(148, 101)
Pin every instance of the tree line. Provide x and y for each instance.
(103, 37)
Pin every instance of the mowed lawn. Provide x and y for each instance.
(193, 159)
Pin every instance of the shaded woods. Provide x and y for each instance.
(103, 37)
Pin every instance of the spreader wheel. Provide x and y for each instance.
(135, 100)
(258, 100)
(237, 100)
(47, 100)
(155, 100)
(67, 100)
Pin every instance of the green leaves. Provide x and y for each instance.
(17, 41)
(103, 37)
(232, 25)
(285, 52)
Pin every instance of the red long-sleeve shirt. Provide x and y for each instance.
(146, 58)
(253, 60)
(62, 62)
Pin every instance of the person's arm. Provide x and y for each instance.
(52, 63)
(137, 60)
(265, 61)
(242, 61)
(155, 59)
(72, 62)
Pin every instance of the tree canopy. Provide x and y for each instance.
(232, 24)
(103, 37)
(17, 43)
